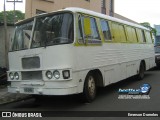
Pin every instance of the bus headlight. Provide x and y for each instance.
(49, 74)
(16, 75)
(56, 74)
(66, 74)
(11, 76)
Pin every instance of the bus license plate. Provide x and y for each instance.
(29, 90)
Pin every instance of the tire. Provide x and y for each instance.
(141, 71)
(158, 65)
(37, 98)
(89, 90)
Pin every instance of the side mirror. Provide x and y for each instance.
(87, 26)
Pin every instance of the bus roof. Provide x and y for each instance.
(81, 10)
(89, 12)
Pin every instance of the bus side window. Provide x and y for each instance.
(115, 32)
(118, 32)
(94, 37)
(148, 37)
(132, 36)
(122, 33)
(106, 30)
(143, 36)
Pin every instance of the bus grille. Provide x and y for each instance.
(32, 75)
(31, 62)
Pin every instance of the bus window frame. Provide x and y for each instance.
(85, 40)
(49, 15)
(144, 36)
(124, 31)
(148, 34)
(107, 21)
(136, 40)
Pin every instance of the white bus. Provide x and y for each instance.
(74, 51)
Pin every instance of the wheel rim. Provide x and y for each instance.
(91, 86)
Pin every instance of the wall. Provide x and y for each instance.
(53, 5)
(124, 18)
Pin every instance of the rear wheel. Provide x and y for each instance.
(89, 91)
(158, 65)
(141, 71)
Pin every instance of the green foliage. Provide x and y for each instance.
(10, 16)
(147, 24)
(154, 31)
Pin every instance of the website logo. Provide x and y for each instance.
(141, 93)
(6, 114)
(145, 89)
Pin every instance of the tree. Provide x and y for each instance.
(147, 25)
(10, 16)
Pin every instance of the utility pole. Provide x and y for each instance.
(6, 36)
(14, 12)
(6, 32)
(14, 8)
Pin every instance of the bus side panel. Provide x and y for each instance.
(117, 61)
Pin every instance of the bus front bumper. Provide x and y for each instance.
(43, 91)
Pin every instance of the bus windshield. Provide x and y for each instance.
(53, 30)
(22, 36)
(49, 30)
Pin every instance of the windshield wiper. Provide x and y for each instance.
(27, 35)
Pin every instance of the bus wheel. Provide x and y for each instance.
(37, 98)
(141, 71)
(89, 91)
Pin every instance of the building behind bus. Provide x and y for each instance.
(34, 7)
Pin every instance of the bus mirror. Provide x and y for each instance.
(87, 26)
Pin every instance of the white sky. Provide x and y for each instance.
(10, 6)
(137, 10)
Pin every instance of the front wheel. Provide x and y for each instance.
(38, 98)
(89, 91)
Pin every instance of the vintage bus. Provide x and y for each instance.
(74, 51)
